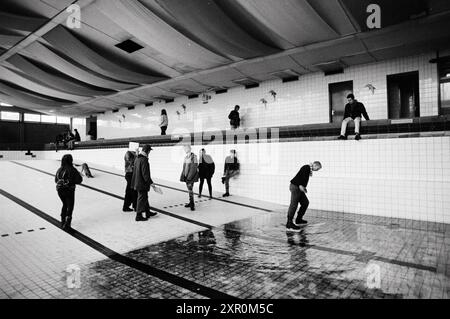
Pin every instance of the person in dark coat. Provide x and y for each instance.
(354, 110)
(231, 169)
(77, 136)
(298, 195)
(130, 193)
(66, 178)
(206, 168)
(235, 120)
(141, 182)
(189, 174)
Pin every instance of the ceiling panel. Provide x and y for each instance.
(262, 70)
(335, 51)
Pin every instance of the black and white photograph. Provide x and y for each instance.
(224, 155)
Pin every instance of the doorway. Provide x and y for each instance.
(403, 95)
(338, 99)
(91, 128)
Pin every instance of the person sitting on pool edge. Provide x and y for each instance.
(353, 112)
(298, 195)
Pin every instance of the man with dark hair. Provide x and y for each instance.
(141, 181)
(235, 120)
(353, 112)
(77, 136)
(298, 195)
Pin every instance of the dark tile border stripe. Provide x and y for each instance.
(185, 191)
(147, 269)
(121, 198)
(321, 248)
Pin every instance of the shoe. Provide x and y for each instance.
(187, 205)
(210, 197)
(199, 195)
(63, 219)
(226, 195)
(192, 207)
(223, 180)
(140, 218)
(67, 223)
(357, 137)
(300, 222)
(342, 137)
(150, 214)
(127, 209)
(293, 228)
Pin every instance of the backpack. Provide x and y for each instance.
(63, 182)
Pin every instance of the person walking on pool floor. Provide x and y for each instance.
(298, 195)
(130, 193)
(141, 181)
(206, 169)
(189, 174)
(66, 179)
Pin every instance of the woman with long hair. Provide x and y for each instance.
(164, 122)
(66, 178)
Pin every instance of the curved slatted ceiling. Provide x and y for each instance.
(169, 45)
(191, 45)
(295, 21)
(25, 81)
(11, 21)
(208, 25)
(71, 68)
(64, 41)
(31, 97)
(55, 81)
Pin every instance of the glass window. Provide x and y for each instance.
(27, 117)
(48, 119)
(10, 116)
(63, 120)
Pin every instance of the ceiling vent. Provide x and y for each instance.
(247, 82)
(331, 68)
(221, 91)
(285, 74)
(129, 46)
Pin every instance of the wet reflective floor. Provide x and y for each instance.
(207, 253)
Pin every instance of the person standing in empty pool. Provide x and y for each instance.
(164, 122)
(130, 193)
(206, 169)
(189, 174)
(66, 178)
(298, 195)
(141, 181)
(231, 169)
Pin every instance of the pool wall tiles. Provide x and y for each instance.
(401, 178)
(300, 102)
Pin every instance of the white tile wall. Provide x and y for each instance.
(300, 102)
(400, 178)
(17, 155)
